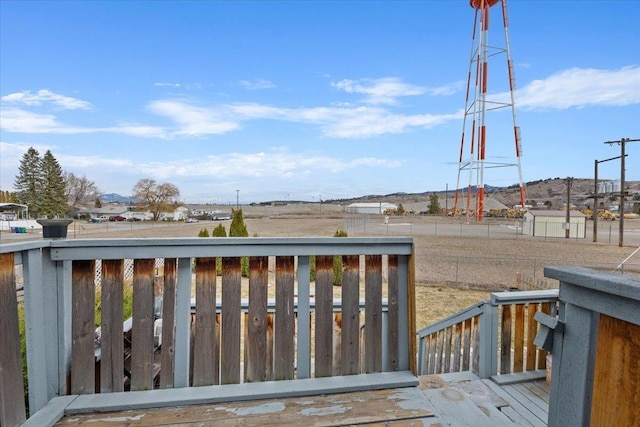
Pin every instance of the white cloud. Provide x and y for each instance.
(176, 85)
(193, 120)
(581, 87)
(278, 163)
(257, 84)
(44, 96)
(379, 91)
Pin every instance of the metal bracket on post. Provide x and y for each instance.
(548, 325)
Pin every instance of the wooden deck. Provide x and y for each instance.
(459, 399)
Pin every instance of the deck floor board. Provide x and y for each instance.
(460, 399)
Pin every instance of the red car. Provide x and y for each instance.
(117, 218)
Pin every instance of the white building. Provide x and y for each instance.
(552, 223)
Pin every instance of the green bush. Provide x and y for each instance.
(203, 233)
(337, 260)
(219, 231)
(239, 229)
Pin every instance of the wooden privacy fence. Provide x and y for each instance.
(217, 330)
(489, 338)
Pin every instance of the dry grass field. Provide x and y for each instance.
(455, 266)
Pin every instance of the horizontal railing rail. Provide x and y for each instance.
(291, 327)
(489, 338)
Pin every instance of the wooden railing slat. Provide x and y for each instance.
(142, 356)
(112, 343)
(205, 350)
(392, 314)
(350, 330)
(373, 313)
(466, 346)
(284, 356)
(532, 327)
(256, 344)
(505, 340)
(476, 343)
(324, 317)
(518, 345)
(167, 360)
(457, 332)
(12, 407)
(231, 305)
(545, 307)
(83, 328)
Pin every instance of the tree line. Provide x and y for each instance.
(51, 192)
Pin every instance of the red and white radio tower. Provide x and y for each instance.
(478, 157)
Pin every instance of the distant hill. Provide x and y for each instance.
(117, 198)
(552, 191)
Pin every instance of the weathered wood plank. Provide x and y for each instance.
(457, 332)
(373, 313)
(324, 317)
(532, 328)
(447, 351)
(142, 330)
(410, 290)
(518, 344)
(12, 407)
(256, 343)
(466, 345)
(284, 353)
(167, 360)
(83, 327)
(439, 365)
(205, 349)
(112, 343)
(392, 314)
(505, 340)
(616, 384)
(476, 343)
(231, 306)
(329, 410)
(350, 330)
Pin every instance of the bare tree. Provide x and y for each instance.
(80, 190)
(157, 198)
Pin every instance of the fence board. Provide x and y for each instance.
(518, 345)
(439, 348)
(83, 327)
(392, 314)
(505, 340)
(142, 331)
(205, 350)
(373, 313)
(324, 317)
(167, 360)
(350, 346)
(447, 350)
(112, 343)
(256, 344)
(284, 320)
(231, 309)
(531, 334)
(476, 342)
(12, 407)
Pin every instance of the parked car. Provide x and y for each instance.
(191, 220)
(134, 218)
(117, 218)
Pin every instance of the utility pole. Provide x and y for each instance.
(622, 142)
(595, 197)
(567, 221)
(237, 199)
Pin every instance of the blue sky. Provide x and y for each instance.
(306, 99)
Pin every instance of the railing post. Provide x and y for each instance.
(403, 308)
(183, 323)
(488, 364)
(35, 324)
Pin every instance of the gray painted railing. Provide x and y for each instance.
(59, 282)
(490, 338)
(595, 344)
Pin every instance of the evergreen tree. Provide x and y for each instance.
(54, 198)
(337, 260)
(219, 231)
(434, 205)
(239, 229)
(28, 183)
(203, 233)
